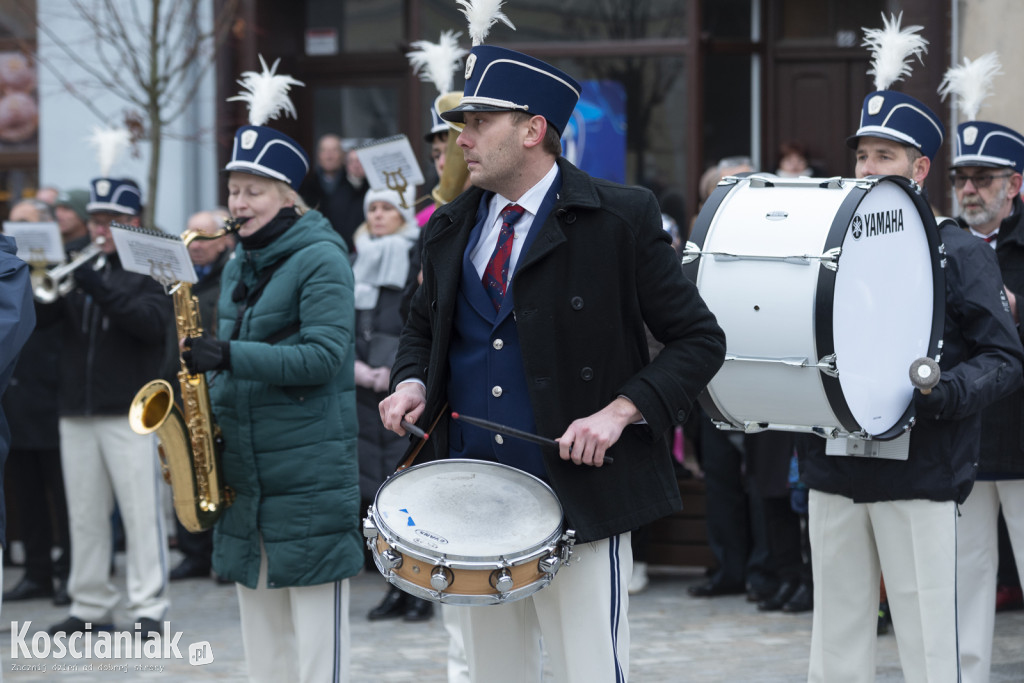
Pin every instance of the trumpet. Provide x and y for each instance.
(52, 284)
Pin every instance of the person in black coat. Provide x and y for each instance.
(870, 516)
(17, 320)
(336, 187)
(114, 325)
(30, 405)
(537, 283)
(987, 179)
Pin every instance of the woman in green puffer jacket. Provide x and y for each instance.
(283, 392)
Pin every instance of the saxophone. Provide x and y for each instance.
(190, 441)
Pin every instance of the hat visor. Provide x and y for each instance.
(980, 164)
(456, 115)
(852, 141)
(255, 172)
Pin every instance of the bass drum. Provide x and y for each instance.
(827, 291)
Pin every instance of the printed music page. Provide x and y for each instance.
(390, 163)
(37, 242)
(162, 256)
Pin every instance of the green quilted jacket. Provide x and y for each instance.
(287, 411)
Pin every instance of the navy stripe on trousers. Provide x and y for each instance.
(616, 602)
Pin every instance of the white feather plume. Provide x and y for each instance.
(266, 93)
(971, 82)
(482, 15)
(891, 50)
(437, 62)
(110, 143)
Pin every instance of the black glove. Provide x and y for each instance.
(203, 354)
(930, 405)
(90, 281)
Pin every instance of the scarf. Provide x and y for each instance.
(381, 262)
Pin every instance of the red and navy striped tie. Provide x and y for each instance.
(495, 277)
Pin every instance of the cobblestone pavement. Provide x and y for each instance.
(674, 638)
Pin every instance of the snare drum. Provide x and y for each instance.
(827, 291)
(467, 532)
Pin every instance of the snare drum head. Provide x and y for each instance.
(468, 509)
(883, 305)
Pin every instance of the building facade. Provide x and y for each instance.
(688, 82)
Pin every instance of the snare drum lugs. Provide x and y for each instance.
(827, 291)
(467, 532)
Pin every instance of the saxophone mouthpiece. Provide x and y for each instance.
(234, 224)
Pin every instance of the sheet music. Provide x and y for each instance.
(162, 256)
(37, 242)
(390, 163)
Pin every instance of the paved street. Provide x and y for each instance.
(674, 638)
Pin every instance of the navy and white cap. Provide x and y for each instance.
(437, 124)
(498, 79)
(114, 195)
(980, 143)
(895, 116)
(263, 151)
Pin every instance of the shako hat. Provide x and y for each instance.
(499, 79)
(261, 150)
(980, 143)
(114, 195)
(892, 115)
(107, 194)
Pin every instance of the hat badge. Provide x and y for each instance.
(470, 63)
(248, 139)
(102, 188)
(875, 105)
(970, 135)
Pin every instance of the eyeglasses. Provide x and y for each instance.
(980, 181)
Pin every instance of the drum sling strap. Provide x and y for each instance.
(405, 464)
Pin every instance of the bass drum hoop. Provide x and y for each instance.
(825, 308)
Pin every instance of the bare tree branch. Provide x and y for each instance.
(155, 64)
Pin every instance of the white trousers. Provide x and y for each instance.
(911, 542)
(458, 667)
(298, 633)
(977, 561)
(104, 459)
(579, 619)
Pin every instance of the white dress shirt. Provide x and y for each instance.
(530, 201)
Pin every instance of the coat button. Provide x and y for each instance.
(570, 218)
(587, 374)
(496, 392)
(576, 302)
(497, 344)
(681, 416)
(498, 440)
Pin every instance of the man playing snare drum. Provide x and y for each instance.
(870, 516)
(544, 331)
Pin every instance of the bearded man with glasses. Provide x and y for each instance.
(986, 175)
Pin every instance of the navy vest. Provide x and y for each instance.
(487, 378)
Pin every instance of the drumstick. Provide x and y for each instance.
(925, 374)
(513, 432)
(414, 430)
